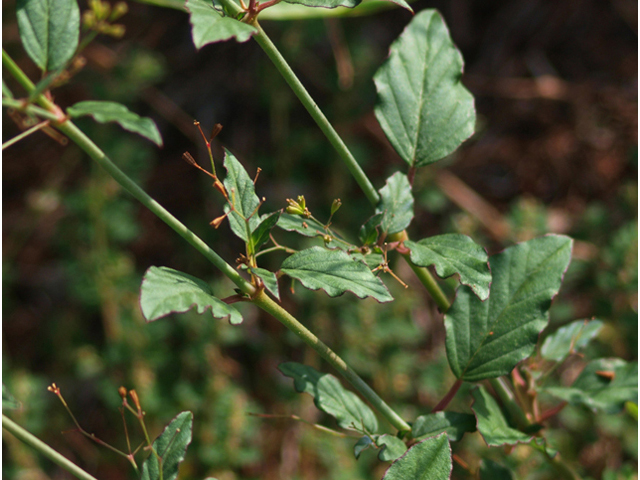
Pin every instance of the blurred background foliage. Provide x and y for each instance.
(556, 151)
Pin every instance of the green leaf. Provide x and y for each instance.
(368, 233)
(166, 291)
(596, 390)
(492, 424)
(114, 112)
(488, 339)
(260, 235)
(454, 253)
(391, 448)
(341, 3)
(331, 397)
(210, 26)
(242, 194)
(490, 470)
(335, 272)
(361, 445)
(569, 339)
(9, 402)
(49, 30)
(427, 460)
(396, 204)
(269, 279)
(304, 226)
(454, 424)
(423, 108)
(171, 445)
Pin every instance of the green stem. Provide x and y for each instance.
(313, 109)
(265, 303)
(30, 109)
(430, 284)
(25, 134)
(44, 449)
(85, 143)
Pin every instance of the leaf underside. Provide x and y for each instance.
(335, 272)
(166, 291)
(454, 424)
(396, 204)
(427, 460)
(115, 112)
(492, 424)
(209, 26)
(423, 108)
(171, 445)
(488, 339)
(242, 194)
(570, 338)
(331, 397)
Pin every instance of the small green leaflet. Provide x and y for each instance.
(427, 460)
(210, 26)
(166, 291)
(396, 204)
(269, 279)
(49, 30)
(454, 253)
(492, 424)
(569, 338)
(114, 112)
(242, 194)
(335, 272)
(488, 339)
(454, 424)
(341, 3)
(171, 445)
(595, 389)
(260, 235)
(368, 233)
(423, 108)
(9, 402)
(331, 397)
(304, 226)
(391, 447)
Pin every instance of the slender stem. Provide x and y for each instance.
(442, 404)
(315, 112)
(510, 402)
(25, 134)
(30, 109)
(430, 284)
(265, 303)
(44, 449)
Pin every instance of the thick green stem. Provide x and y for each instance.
(44, 449)
(430, 284)
(85, 143)
(315, 112)
(265, 303)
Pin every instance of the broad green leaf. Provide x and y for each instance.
(423, 108)
(335, 272)
(49, 30)
(114, 112)
(595, 389)
(269, 279)
(242, 194)
(210, 26)
(454, 424)
(260, 235)
(492, 424)
(171, 446)
(361, 445)
(391, 448)
(490, 470)
(569, 338)
(488, 339)
(368, 233)
(9, 402)
(166, 291)
(331, 397)
(304, 226)
(454, 253)
(427, 460)
(396, 204)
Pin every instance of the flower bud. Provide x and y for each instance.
(337, 203)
